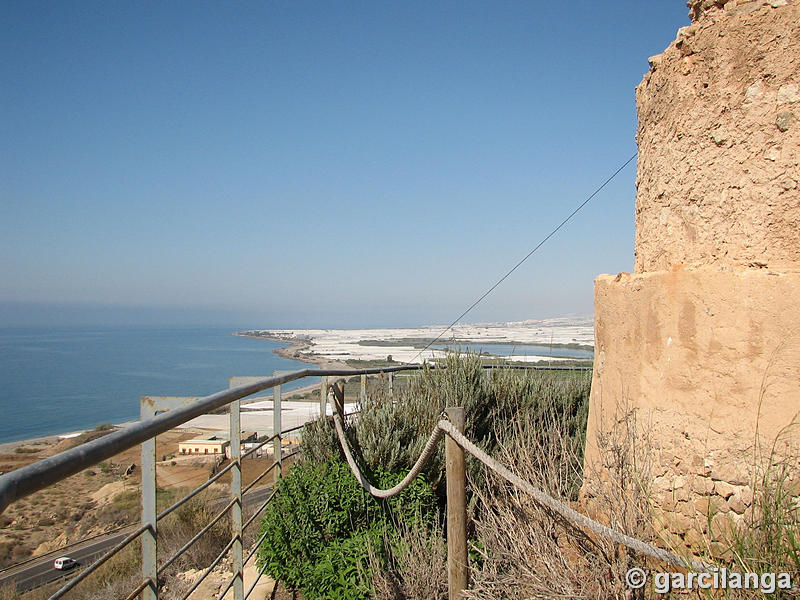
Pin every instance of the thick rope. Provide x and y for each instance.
(538, 495)
(567, 512)
(427, 452)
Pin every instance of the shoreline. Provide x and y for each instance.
(291, 352)
(565, 339)
(295, 351)
(9, 447)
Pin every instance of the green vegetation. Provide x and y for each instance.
(390, 435)
(368, 364)
(322, 528)
(326, 536)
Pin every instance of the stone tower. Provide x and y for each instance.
(702, 341)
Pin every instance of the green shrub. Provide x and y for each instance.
(390, 435)
(322, 525)
(319, 443)
(342, 571)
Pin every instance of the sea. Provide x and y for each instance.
(62, 380)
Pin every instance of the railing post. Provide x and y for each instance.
(457, 567)
(338, 396)
(277, 427)
(323, 397)
(236, 494)
(149, 544)
(391, 384)
(363, 389)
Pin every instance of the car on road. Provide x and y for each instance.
(65, 563)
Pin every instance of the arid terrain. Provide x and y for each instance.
(99, 499)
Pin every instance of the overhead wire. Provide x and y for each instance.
(526, 257)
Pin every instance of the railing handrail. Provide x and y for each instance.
(41, 474)
(168, 415)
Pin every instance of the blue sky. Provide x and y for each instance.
(315, 164)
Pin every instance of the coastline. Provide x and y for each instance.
(291, 352)
(298, 349)
(294, 351)
(564, 338)
(9, 447)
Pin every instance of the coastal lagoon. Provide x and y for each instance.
(521, 350)
(58, 380)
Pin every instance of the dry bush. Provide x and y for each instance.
(8, 592)
(529, 552)
(620, 487)
(123, 509)
(391, 432)
(418, 565)
(178, 528)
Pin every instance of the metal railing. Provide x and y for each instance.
(161, 414)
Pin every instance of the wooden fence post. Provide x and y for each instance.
(323, 398)
(457, 567)
(338, 396)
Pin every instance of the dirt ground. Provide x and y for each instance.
(98, 499)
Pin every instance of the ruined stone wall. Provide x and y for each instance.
(719, 140)
(710, 361)
(702, 342)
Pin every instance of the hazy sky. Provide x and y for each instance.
(328, 164)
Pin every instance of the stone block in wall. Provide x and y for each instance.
(724, 489)
(708, 506)
(702, 485)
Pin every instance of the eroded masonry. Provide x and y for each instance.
(702, 342)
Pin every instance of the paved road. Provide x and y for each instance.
(35, 573)
(40, 572)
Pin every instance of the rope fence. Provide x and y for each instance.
(448, 428)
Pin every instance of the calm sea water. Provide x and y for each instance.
(62, 380)
(521, 350)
